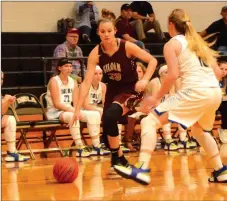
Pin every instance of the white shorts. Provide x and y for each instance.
(189, 106)
(53, 114)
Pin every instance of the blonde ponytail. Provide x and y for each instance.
(195, 42)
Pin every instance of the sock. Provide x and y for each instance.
(209, 145)
(182, 134)
(114, 156)
(10, 134)
(95, 142)
(148, 139)
(144, 158)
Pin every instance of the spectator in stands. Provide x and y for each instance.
(62, 90)
(124, 28)
(87, 16)
(70, 49)
(219, 26)
(143, 14)
(223, 107)
(9, 127)
(108, 14)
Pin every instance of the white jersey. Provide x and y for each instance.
(95, 95)
(65, 92)
(193, 72)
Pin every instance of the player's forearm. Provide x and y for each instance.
(63, 107)
(84, 87)
(150, 69)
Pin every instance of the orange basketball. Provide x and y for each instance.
(65, 170)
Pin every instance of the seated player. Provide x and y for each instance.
(62, 90)
(9, 127)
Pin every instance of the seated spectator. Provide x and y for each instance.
(9, 125)
(223, 107)
(124, 28)
(143, 15)
(219, 26)
(62, 90)
(108, 14)
(70, 49)
(96, 95)
(87, 16)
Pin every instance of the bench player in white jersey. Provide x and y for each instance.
(62, 90)
(96, 95)
(189, 57)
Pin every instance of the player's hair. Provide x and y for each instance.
(104, 20)
(143, 68)
(224, 79)
(196, 44)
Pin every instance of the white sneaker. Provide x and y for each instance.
(222, 135)
(15, 157)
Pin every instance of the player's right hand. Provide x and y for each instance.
(75, 118)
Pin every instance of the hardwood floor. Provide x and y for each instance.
(175, 176)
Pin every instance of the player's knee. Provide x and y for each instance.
(113, 113)
(11, 123)
(150, 121)
(93, 118)
(67, 117)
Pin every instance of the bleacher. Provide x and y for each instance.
(23, 59)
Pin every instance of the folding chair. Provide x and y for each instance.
(28, 104)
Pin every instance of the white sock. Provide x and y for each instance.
(148, 139)
(94, 132)
(75, 129)
(209, 145)
(182, 134)
(10, 134)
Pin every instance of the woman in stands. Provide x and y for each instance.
(116, 59)
(62, 90)
(189, 57)
(223, 107)
(9, 126)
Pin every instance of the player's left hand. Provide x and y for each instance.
(141, 85)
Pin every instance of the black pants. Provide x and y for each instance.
(91, 32)
(223, 111)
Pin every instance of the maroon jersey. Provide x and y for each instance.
(119, 72)
(118, 69)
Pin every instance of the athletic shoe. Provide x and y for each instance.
(124, 149)
(135, 173)
(99, 151)
(219, 176)
(186, 144)
(15, 157)
(171, 145)
(222, 133)
(82, 151)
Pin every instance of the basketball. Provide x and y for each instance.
(65, 170)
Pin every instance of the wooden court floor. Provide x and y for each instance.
(175, 176)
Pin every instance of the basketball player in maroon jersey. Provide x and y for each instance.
(116, 58)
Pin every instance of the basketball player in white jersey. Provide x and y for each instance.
(189, 57)
(9, 126)
(96, 95)
(62, 90)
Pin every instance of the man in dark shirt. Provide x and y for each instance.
(219, 26)
(142, 13)
(124, 28)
